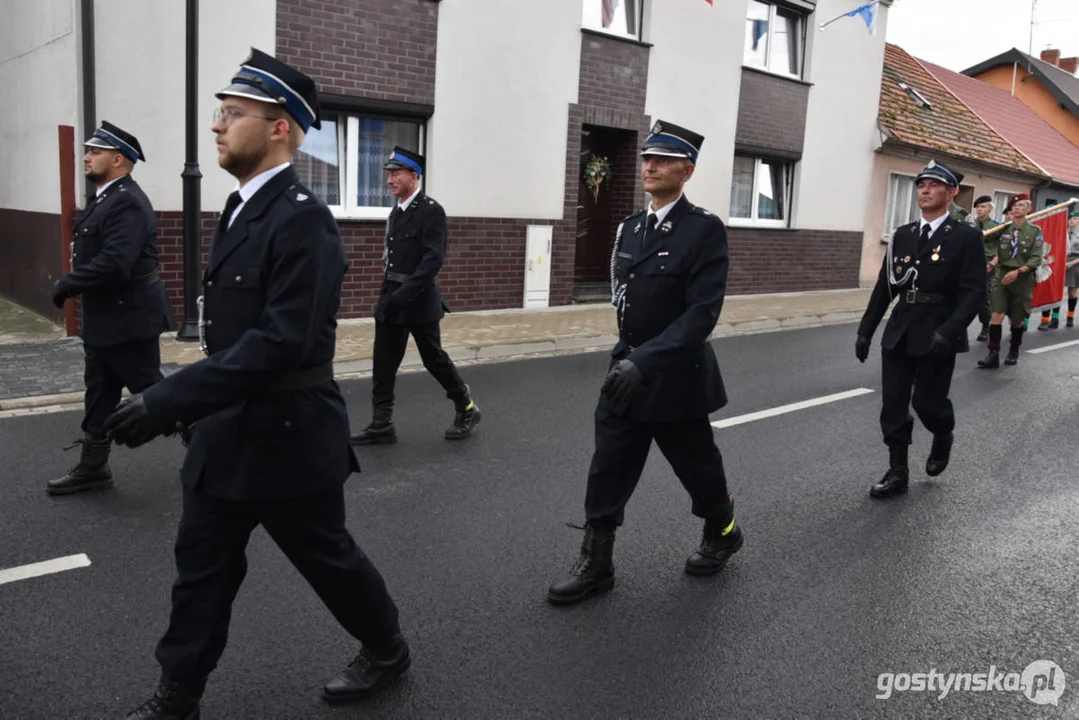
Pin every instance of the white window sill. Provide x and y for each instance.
(784, 75)
(372, 213)
(749, 223)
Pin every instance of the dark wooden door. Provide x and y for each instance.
(594, 231)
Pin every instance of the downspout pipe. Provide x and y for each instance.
(192, 180)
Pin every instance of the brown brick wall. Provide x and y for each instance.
(765, 260)
(614, 74)
(32, 249)
(378, 49)
(771, 115)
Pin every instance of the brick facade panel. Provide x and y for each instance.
(614, 74)
(384, 51)
(818, 260)
(771, 114)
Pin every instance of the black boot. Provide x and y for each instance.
(896, 479)
(592, 573)
(91, 472)
(939, 454)
(1013, 347)
(722, 538)
(1070, 322)
(990, 361)
(984, 334)
(380, 431)
(368, 673)
(171, 701)
(1054, 324)
(467, 418)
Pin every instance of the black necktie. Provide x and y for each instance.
(923, 245)
(230, 207)
(649, 227)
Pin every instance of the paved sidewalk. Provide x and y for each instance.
(49, 371)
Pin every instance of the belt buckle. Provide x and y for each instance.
(911, 297)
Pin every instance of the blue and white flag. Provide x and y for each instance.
(868, 13)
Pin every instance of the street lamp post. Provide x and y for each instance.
(192, 231)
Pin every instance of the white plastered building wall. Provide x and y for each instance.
(507, 72)
(40, 77)
(845, 65)
(141, 79)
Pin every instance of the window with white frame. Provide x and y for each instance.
(774, 40)
(901, 206)
(342, 162)
(761, 190)
(1000, 201)
(614, 17)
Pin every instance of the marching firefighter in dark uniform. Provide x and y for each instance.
(983, 221)
(669, 280)
(1020, 247)
(936, 267)
(124, 307)
(268, 427)
(411, 303)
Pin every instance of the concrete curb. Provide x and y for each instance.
(501, 352)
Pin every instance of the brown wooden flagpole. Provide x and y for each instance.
(67, 214)
(1034, 216)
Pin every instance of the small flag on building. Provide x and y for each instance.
(867, 12)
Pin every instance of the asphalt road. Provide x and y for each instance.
(974, 569)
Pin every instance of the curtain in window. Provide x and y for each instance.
(742, 187)
(377, 140)
(772, 191)
(318, 162)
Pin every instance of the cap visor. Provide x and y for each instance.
(665, 152)
(99, 143)
(246, 91)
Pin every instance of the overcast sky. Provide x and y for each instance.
(960, 33)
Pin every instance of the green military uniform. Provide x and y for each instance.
(957, 213)
(1016, 247)
(991, 242)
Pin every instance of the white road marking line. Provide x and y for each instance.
(47, 567)
(792, 407)
(1053, 347)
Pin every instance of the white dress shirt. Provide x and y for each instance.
(662, 213)
(252, 186)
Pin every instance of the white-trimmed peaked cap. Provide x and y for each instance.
(941, 173)
(669, 140)
(110, 137)
(266, 79)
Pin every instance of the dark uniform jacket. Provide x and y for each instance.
(957, 276)
(415, 251)
(272, 289)
(115, 269)
(674, 286)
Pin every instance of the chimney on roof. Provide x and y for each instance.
(1069, 64)
(1051, 56)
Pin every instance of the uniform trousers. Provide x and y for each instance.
(109, 369)
(390, 343)
(622, 447)
(211, 564)
(923, 380)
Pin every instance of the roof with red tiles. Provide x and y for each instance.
(917, 110)
(1016, 122)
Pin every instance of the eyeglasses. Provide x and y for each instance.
(225, 116)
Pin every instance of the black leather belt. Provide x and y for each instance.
(305, 378)
(917, 297)
(397, 277)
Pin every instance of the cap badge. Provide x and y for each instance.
(932, 164)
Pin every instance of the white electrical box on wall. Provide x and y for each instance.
(538, 266)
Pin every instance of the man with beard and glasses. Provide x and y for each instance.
(936, 267)
(668, 280)
(124, 306)
(269, 441)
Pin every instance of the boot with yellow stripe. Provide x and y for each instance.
(468, 416)
(722, 538)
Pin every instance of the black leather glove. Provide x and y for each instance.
(131, 423)
(622, 381)
(59, 293)
(939, 346)
(861, 348)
